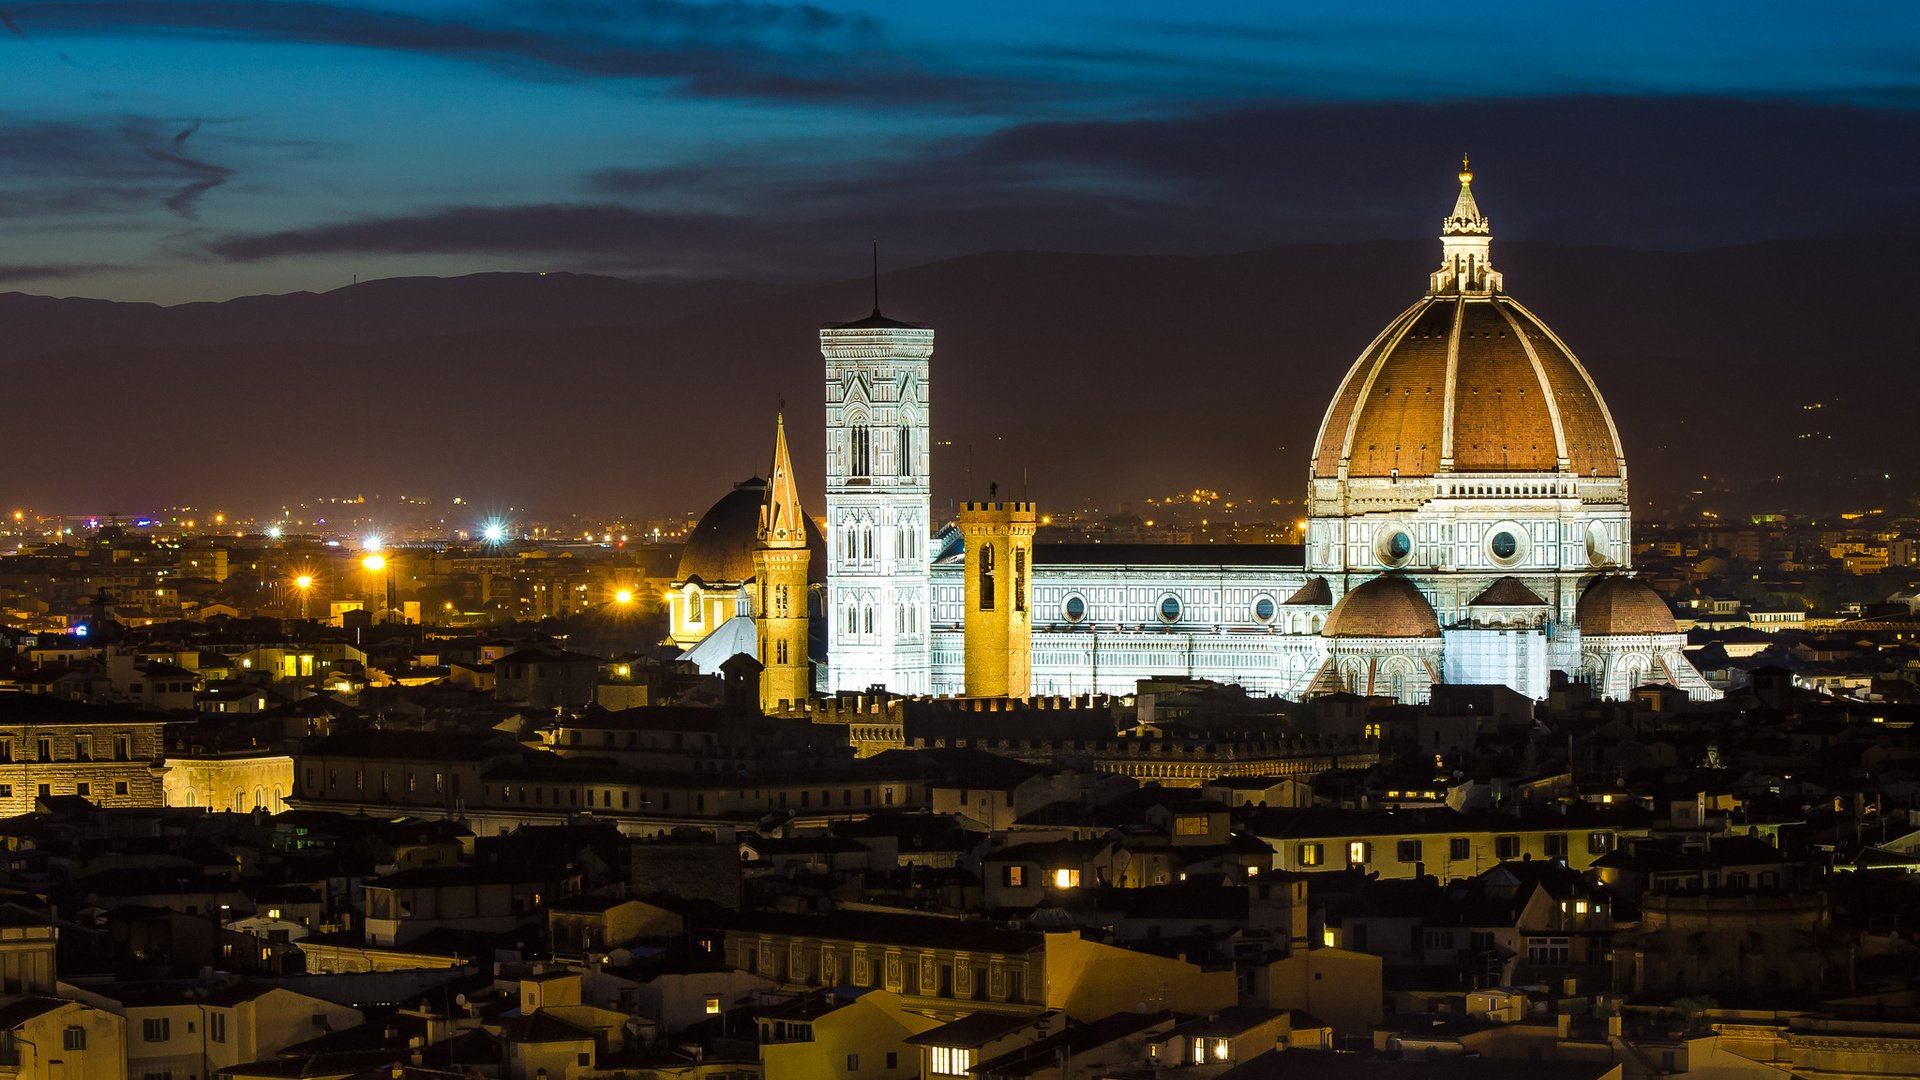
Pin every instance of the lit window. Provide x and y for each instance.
(1359, 851)
(1067, 877)
(1579, 907)
(949, 1060)
(1328, 937)
(713, 1006)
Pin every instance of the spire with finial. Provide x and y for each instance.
(782, 520)
(1465, 237)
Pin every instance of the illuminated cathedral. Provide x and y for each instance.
(1467, 522)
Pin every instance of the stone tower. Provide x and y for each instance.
(878, 505)
(999, 616)
(780, 576)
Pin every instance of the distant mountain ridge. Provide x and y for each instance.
(1067, 377)
(381, 310)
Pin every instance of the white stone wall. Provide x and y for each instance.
(1122, 635)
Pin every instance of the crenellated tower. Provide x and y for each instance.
(999, 611)
(878, 504)
(780, 573)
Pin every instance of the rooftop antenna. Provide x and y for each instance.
(876, 277)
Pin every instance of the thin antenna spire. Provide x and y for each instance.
(876, 277)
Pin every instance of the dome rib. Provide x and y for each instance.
(1586, 377)
(1346, 399)
(1453, 384)
(1560, 454)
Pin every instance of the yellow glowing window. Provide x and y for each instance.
(1190, 825)
(1579, 907)
(713, 1006)
(1067, 877)
(1359, 851)
(1328, 937)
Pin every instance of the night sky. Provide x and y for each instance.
(209, 148)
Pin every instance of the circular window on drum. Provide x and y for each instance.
(1170, 608)
(1393, 545)
(1263, 609)
(1507, 544)
(1074, 609)
(1599, 550)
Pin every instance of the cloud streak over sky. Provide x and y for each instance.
(1228, 181)
(668, 138)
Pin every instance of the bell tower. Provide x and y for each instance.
(878, 504)
(999, 615)
(780, 574)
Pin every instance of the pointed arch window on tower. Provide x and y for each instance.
(866, 619)
(866, 540)
(986, 577)
(860, 443)
(906, 450)
(1019, 579)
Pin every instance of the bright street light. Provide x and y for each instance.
(375, 563)
(623, 596)
(305, 581)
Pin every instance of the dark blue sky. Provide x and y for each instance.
(201, 149)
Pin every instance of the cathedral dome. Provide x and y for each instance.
(1622, 605)
(1385, 607)
(1466, 380)
(720, 548)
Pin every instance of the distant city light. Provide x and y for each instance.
(80, 630)
(273, 532)
(373, 542)
(375, 563)
(623, 596)
(493, 532)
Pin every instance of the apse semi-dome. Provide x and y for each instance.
(1388, 606)
(720, 548)
(1467, 380)
(1616, 604)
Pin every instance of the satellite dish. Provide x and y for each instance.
(460, 1000)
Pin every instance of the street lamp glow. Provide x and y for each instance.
(623, 596)
(374, 563)
(493, 532)
(273, 532)
(373, 542)
(304, 581)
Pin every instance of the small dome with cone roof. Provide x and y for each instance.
(1388, 606)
